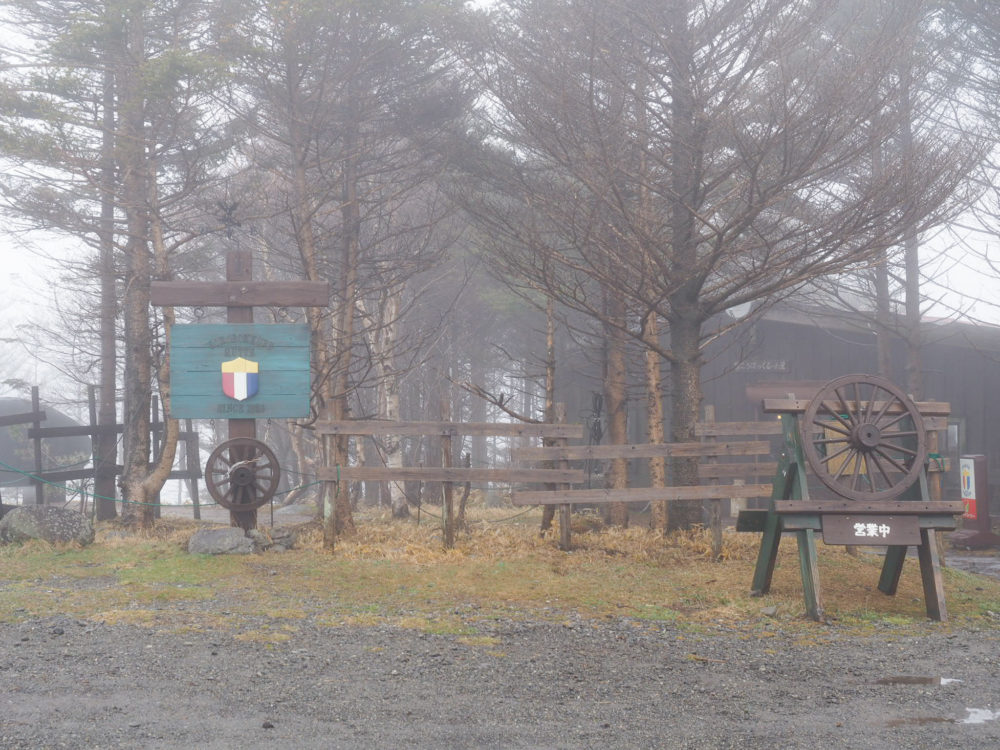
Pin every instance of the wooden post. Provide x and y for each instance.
(191, 460)
(934, 492)
(809, 568)
(715, 504)
(448, 488)
(36, 410)
(239, 268)
(566, 509)
(95, 453)
(104, 448)
(238, 294)
(156, 428)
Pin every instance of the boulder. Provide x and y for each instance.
(47, 522)
(222, 541)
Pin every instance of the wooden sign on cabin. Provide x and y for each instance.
(239, 371)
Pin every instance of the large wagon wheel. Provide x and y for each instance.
(864, 438)
(242, 474)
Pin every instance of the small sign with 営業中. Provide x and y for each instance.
(871, 530)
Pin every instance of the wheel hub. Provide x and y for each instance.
(866, 437)
(242, 476)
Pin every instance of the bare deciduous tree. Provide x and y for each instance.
(680, 159)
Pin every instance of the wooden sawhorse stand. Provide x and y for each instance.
(910, 518)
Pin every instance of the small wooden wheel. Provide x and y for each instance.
(864, 438)
(242, 474)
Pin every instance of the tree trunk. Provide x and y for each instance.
(138, 270)
(883, 313)
(654, 415)
(685, 320)
(164, 462)
(615, 399)
(107, 443)
(685, 380)
(383, 347)
(549, 511)
(911, 250)
(341, 520)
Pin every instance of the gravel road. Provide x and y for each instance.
(574, 684)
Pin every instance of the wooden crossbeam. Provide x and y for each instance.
(23, 418)
(75, 431)
(449, 474)
(799, 405)
(642, 495)
(446, 429)
(240, 293)
(737, 429)
(737, 470)
(856, 507)
(644, 450)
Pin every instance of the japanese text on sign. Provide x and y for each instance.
(872, 530)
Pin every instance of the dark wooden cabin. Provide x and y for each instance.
(796, 347)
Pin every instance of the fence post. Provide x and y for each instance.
(155, 427)
(448, 488)
(191, 464)
(715, 504)
(566, 509)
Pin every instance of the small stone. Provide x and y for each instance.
(225, 541)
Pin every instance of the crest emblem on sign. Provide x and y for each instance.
(239, 378)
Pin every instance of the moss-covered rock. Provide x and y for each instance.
(47, 522)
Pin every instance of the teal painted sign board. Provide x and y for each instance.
(232, 371)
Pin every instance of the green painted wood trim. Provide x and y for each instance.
(809, 567)
(892, 569)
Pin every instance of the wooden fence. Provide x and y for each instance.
(731, 465)
(449, 474)
(36, 434)
(736, 463)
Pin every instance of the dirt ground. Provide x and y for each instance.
(566, 682)
(572, 684)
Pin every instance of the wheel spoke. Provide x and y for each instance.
(901, 448)
(870, 406)
(858, 410)
(846, 410)
(833, 413)
(878, 465)
(830, 457)
(829, 441)
(827, 424)
(885, 410)
(896, 464)
(857, 470)
(851, 456)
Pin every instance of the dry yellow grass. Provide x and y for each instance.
(399, 572)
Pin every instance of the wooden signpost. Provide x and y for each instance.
(239, 294)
